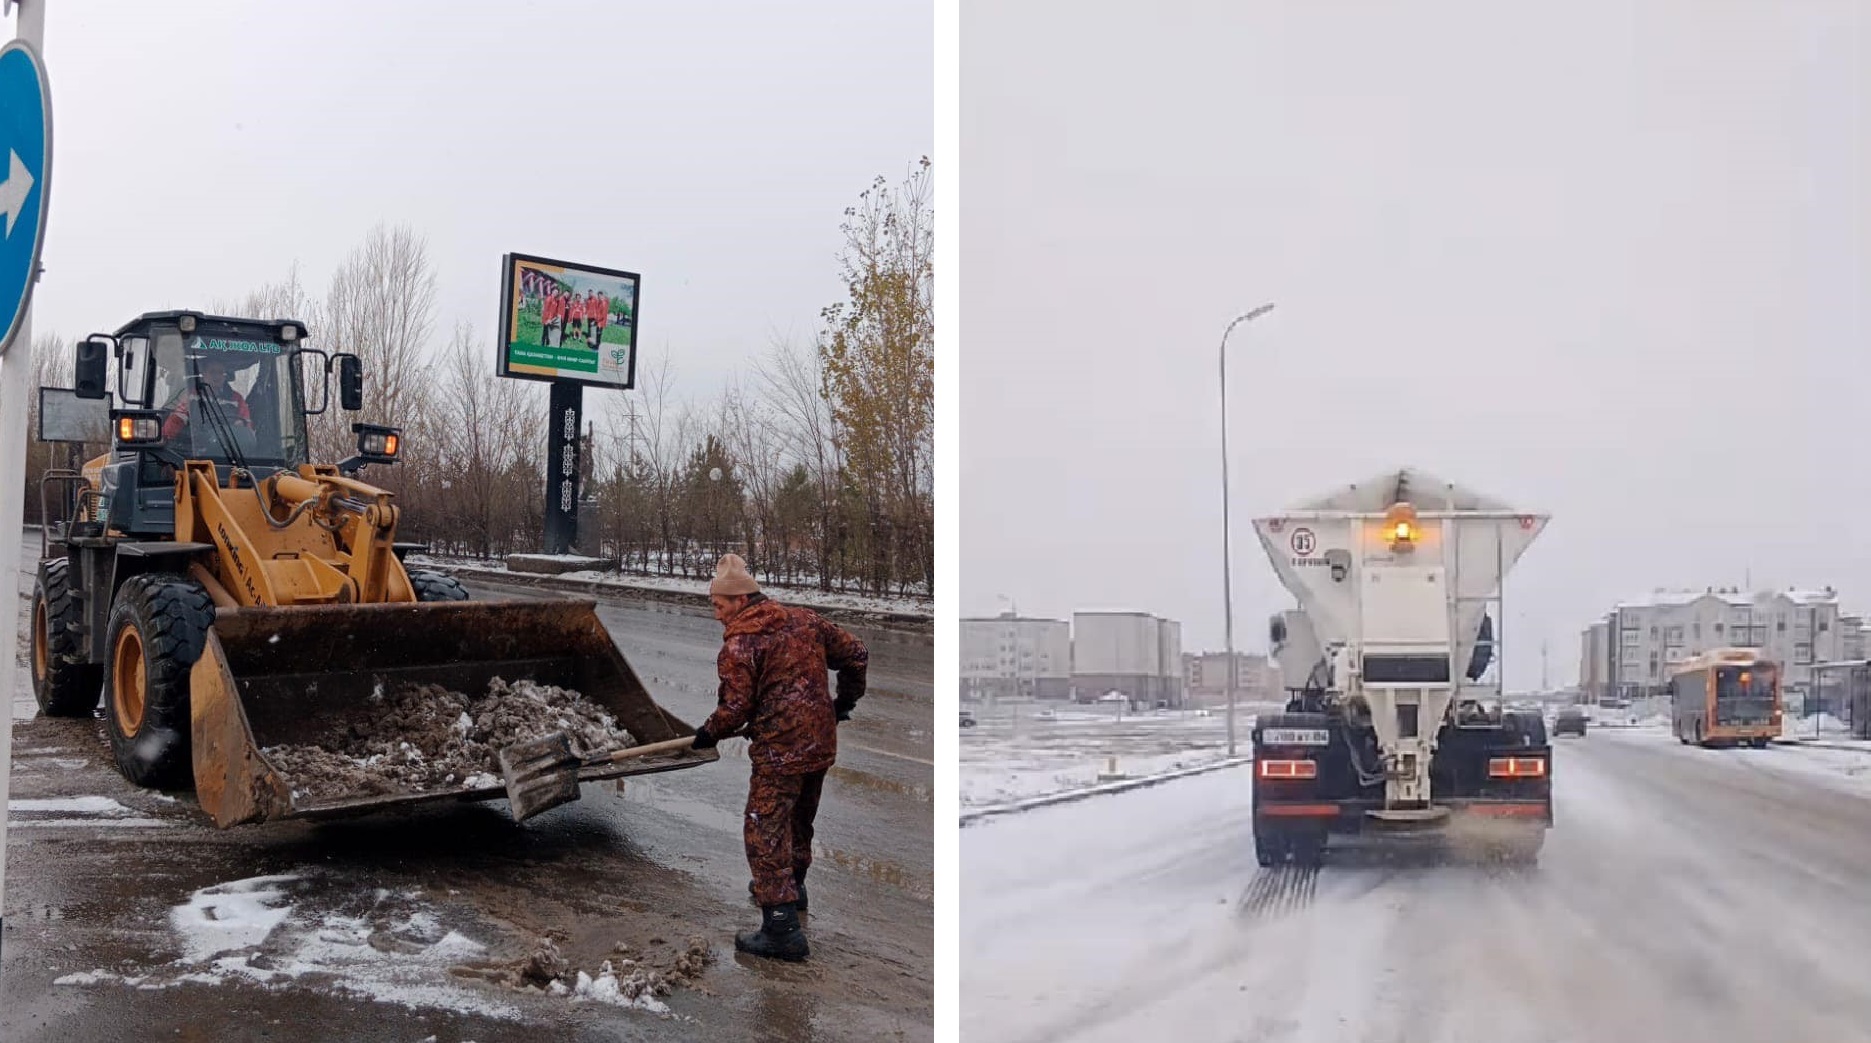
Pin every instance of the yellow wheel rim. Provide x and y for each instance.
(41, 650)
(129, 680)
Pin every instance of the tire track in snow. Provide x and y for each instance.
(1277, 891)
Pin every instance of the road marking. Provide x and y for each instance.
(71, 805)
(884, 753)
(86, 823)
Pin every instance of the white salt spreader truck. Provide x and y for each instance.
(1393, 729)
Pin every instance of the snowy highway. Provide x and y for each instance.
(1684, 895)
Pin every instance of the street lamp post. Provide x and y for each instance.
(1227, 564)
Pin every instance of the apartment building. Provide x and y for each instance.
(1626, 654)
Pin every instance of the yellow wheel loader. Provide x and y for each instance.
(223, 595)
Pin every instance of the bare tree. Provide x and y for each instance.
(381, 306)
(792, 381)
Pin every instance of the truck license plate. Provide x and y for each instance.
(1296, 737)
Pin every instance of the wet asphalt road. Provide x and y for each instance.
(1683, 895)
(389, 918)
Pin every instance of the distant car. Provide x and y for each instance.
(1571, 719)
(967, 719)
(1045, 715)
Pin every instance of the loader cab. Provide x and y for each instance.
(189, 386)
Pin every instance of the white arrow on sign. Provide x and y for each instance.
(14, 189)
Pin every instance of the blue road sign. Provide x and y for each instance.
(25, 171)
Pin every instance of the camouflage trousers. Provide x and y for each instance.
(778, 831)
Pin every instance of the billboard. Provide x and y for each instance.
(569, 322)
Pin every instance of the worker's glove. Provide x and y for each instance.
(843, 707)
(703, 740)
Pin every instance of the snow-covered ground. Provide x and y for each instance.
(1843, 770)
(272, 931)
(1682, 896)
(1818, 726)
(1015, 753)
(902, 606)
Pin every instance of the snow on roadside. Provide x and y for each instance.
(986, 784)
(235, 915)
(903, 606)
(70, 805)
(260, 931)
(1827, 726)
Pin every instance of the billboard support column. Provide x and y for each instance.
(562, 490)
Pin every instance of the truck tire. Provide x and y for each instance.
(1269, 849)
(62, 683)
(158, 626)
(436, 586)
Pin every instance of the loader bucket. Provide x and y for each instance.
(274, 676)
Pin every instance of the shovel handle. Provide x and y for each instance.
(653, 747)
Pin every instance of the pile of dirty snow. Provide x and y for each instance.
(421, 738)
(626, 980)
(1822, 724)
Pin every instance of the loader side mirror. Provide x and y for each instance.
(350, 382)
(91, 374)
(317, 374)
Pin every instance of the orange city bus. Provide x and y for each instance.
(1725, 697)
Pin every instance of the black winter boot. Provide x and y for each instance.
(779, 936)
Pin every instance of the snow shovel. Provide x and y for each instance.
(543, 773)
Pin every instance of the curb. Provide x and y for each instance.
(626, 591)
(1104, 789)
(1820, 744)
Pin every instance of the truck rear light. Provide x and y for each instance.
(1277, 769)
(1517, 767)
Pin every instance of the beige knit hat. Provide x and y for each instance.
(732, 577)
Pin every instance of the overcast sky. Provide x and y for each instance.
(1606, 264)
(202, 148)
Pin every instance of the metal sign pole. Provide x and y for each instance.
(15, 373)
(562, 491)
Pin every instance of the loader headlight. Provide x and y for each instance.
(378, 444)
(138, 428)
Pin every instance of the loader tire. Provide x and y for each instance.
(158, 626)
(62, 683)
(436, 586)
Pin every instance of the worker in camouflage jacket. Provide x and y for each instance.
(773, 664)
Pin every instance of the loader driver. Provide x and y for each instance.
(772, 664)
(212, 381)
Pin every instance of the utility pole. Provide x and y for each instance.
(634, 439)
(1227, 564)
